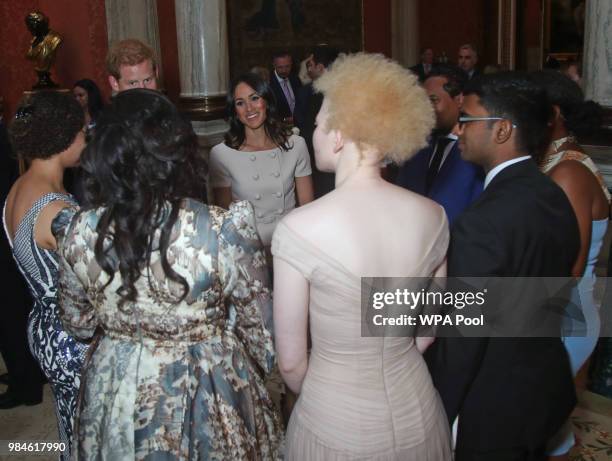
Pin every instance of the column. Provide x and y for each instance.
(203, 63)
(597, 62)
(405, 32)
(134, 19)
(201, 28)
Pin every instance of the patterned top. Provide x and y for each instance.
(182, 378)
(265, 178)
(59, 355)
(554, 159)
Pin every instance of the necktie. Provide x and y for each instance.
(436, 161)
(288, 94)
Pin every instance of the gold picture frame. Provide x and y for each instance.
(258, 28)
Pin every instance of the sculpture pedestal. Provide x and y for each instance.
(45, 82)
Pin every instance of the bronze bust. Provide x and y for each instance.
(42, 48)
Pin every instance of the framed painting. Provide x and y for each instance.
(259, 28)
(563, 29)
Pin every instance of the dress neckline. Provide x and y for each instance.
(22, 221)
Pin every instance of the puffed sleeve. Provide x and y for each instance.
(76, 312)
(219, 174)
(246, 283)
(302, 167)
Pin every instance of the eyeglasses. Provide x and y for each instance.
(463, 118)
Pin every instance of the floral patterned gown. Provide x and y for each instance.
(175, 381)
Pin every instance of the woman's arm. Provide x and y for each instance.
(423, 342)
(291, 297)
(575, 179)
(43, 236)
(304, 189)
(76, 312)
(222, 196)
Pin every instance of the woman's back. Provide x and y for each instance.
(372, 394)
(193, 363)
(398, 233)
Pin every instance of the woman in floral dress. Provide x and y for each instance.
(179, 290)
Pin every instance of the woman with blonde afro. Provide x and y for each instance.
(359, 397)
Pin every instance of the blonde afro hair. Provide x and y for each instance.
(376, 102)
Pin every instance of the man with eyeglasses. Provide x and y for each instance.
(510, 394)
(438, 171)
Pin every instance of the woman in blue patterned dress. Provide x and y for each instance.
(47, 134)
(180, 291)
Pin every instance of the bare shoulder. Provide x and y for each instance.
(417, 205)
(571, 172)
(299, 217)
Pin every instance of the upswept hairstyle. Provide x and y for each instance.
(581, 117)
(128, 52)
(94, 97)
(45, 124)
(455, 76)
(139, 165)
(276, 130)
(376, 102)
(516, 97)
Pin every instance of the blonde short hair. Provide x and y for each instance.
(375, 102)
(128, 52)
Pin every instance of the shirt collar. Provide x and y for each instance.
(491, 174)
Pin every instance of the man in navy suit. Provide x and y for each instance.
(284, 85)
(438, 171)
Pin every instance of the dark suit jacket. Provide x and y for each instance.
(419, 70)
(475, 74)
(509, 392)
(282, 106)
(456, 186)
(307, 106)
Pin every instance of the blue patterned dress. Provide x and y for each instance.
(60, 356)
(175, 379)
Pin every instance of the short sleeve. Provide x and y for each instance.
(219, 173)
(290, 247)
(302, 167)
(246, 283)
(76, 312)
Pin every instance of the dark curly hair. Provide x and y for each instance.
(276, 130)
(45, 124)
(581, 117)
(140, 164)
(95, 102)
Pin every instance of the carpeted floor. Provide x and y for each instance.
(592, 421)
